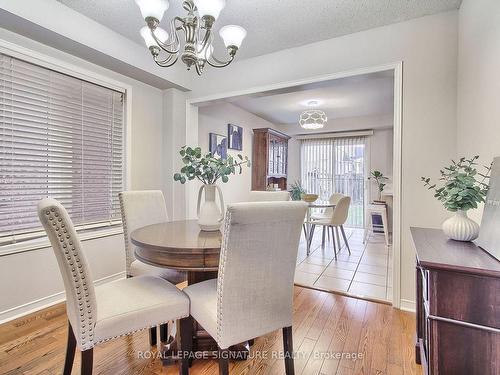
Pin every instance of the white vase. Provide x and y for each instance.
(210, 216)
(460, 228)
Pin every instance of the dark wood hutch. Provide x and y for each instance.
(270, 159)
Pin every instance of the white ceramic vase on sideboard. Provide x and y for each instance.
(210, 216)
(460, 227)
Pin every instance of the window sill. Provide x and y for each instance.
(42, 243)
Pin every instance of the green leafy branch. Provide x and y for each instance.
(462, 187)
(207, 168)
(379, 178)
(296, 191)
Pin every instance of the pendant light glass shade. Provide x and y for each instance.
(152, 8)
(313, 119)
(160, 34)
(209, 7)
(232, 35)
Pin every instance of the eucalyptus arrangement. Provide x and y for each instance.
(296, 191)
(380, 180)
(462, 187)
(209, 169)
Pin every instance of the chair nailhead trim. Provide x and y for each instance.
(129, 256)
(220, 279)
(78, 273)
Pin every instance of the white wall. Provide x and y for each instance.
(33, 277)
(428, 48)
(381, 157)
(214, 119)
(479, 81)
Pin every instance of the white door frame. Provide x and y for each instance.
(397, 67)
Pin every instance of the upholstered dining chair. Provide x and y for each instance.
(268, 196)
(260, 243)
(140, 208)
(336, 221)
(99, 314)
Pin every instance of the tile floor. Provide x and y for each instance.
(367, 272)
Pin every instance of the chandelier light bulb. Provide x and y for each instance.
(152, 8)
(313, 119)
(209, 7)
(160, 34)
(232, 35)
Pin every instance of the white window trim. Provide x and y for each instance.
(61, 66)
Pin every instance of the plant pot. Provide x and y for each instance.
(210, 216)
(460, 228)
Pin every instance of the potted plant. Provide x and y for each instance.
(462, 188)
(380, 180)
(208, 169)
(296, 191)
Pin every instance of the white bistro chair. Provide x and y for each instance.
(99, 314)
(337, 220)
(140, 208)
(328, 212)
(268, 196)
(260, 243)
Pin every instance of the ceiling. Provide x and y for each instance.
(274, 24)
(363, 95)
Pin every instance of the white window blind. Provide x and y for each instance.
(61, 137)
(336, 165)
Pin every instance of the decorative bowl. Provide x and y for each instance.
(309, 198)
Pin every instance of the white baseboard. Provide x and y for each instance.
(407, 305)
(42, 303)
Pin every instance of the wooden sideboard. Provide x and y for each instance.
(458, 306)
(269, 159)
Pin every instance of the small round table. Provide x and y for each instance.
(181, 245)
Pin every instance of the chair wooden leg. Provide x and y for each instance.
(334, 245)
(345, 239)
(70, 351)
(311, 235)
(288, 350)
(223, 361)
(323, 237)
(186, 346)
(164, 332)
(87, 362)
(152, 336)
(338, 237)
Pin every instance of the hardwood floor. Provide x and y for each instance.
(323, 324)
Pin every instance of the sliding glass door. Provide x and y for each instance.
(336, 165)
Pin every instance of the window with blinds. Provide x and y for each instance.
(336, 165)
(60, 137)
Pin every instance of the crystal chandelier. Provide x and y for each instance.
(197, 29)
(313, 119)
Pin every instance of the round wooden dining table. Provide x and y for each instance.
(182, 245)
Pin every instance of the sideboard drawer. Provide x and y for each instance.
(469, 298)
